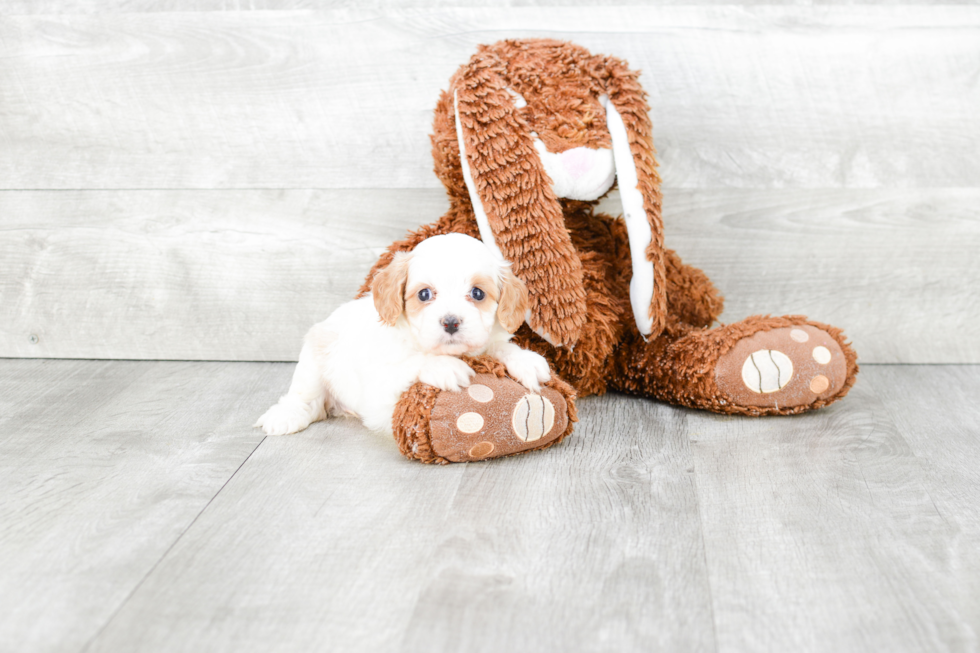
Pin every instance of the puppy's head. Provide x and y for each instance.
(450, 292)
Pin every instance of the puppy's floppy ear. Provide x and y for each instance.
(388, 288)
(513, 303)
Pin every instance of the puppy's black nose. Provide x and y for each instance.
(450, 323)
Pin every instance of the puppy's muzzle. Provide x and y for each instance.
(450, 323)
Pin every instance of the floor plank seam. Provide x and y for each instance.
(170, 548)
(704, 547)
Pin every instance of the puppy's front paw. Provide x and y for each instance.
(446, 373)
(528, 368)
(282, 419)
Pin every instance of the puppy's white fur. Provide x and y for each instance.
(421, 315)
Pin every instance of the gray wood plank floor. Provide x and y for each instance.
(140, 512)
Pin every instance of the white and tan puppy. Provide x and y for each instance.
(449, 297)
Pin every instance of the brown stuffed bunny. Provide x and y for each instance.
(545, 129)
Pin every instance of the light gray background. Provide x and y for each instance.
(205, 185)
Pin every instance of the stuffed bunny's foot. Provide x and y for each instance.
(783, 368)
(495, 416)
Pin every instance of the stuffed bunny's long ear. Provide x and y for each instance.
(639, 188)
(515, 206)
(482, 222)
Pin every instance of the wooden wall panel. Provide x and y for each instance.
(241, 275)
(182, 184)
(897, 269)
(749, 97)
(227, 275)
(35, 7)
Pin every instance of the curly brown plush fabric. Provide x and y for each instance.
(577, 262)
(413, 416)
(680, 371)
(522, 209)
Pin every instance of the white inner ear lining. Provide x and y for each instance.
(637, 225)
(519, 100)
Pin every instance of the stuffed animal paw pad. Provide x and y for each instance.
(495, 417)
(782, 368)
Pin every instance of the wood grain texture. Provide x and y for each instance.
(241, 275)
(894, 268)
(822, 534)
(935, 408)
(188, 275)
(103, 466)
(749, 97)
(592, 545)
(320, 543)
(35, 7)
(137, 513)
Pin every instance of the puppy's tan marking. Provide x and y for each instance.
(513, 302)
(388, 289)
(414, 305)
(487, 285)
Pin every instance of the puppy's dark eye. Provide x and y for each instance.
(477, 295)
(425, 295)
